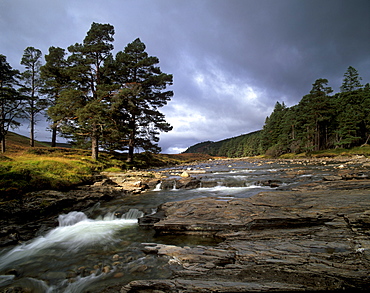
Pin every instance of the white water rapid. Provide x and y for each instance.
(158, 187)
(75, 232)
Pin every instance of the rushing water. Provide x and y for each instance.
(101, 247)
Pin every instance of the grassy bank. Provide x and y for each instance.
(58, 168)
(24, 169)
(339, 152)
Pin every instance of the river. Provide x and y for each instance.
(101, 247)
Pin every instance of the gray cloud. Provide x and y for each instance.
(231, 59)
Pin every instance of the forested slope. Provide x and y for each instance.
(321, 120)
(241, 146)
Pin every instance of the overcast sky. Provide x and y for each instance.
(231, 60)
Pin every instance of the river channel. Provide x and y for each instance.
(100, 248)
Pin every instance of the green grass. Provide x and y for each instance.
(29, 172)
(58, 168)
(24, 169)
(339, 152)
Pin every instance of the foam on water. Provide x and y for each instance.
(69, 236)
(71, 218)
(158, 187)
(227, 190)
(239, 171)
(81, 283)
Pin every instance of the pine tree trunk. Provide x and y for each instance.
(94, 148)
(2, 135)
(131, 143)
(53, 136)
(3, 145)
(94, 144)
(32, 132)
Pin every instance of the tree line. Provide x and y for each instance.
(321, 120)
(90, 96)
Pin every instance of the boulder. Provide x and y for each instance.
(185, 174)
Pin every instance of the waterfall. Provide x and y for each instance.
(174, 185)
(158, 187)
(71, 218)
(133, 214)
(71, 237)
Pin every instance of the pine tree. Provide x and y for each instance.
(138, 72)
(351, 80)
(55, 80)
(273, 128)
(112, 102)
(314, 114)
(83, 107)
(10, 100)
(351, 124)
(32, 84)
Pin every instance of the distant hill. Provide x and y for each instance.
(16, 142)
(240, 146)
(58, 144)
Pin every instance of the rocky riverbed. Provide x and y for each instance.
(300, 237)
(35, 212)
(313, 238)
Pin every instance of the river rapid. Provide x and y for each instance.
(101, 249)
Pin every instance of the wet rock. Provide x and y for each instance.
(150, 220)
(332, 178)
(198, 286)
(118, 275)
(185, 174)
(105, 182)
(188, 183)
(311, 240)
(271, 183)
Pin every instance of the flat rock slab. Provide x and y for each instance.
(272, 242)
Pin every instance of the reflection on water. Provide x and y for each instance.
(102, 246)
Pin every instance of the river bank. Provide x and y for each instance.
(21, 220)
(289, 239)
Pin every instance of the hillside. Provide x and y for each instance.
(16, 142)
(239, 146)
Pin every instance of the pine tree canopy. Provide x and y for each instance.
(105, 101)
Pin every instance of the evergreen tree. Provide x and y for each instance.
(55, 81)
(350, 119)
(31, 86)
(351, 80)
(273, 128)
(83, 107)
(10, 100)
(366, 109)
(315, 115)
(138, 72)
(289, 125)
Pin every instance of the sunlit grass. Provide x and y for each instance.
(24, 169)
(28, 172)
(59, 168)
(330, 153)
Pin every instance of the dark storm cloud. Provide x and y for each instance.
(231, 59)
